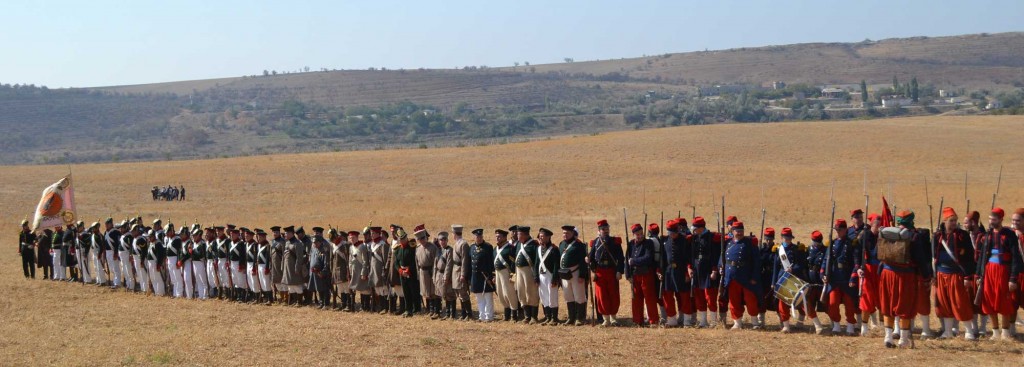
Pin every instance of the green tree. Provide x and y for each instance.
(863, 91)
(914, 91)
(895, 84)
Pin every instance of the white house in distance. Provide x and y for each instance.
(896, 101)
(834, 93)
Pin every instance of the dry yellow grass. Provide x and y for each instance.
(543, 183)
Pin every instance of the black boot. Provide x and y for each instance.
(453, 308)
(547, 316)
(435, 310)
(581, 314)
(508, 314)
(400, 309)
(554, 316)
(467, 311)
(364, 303)
(517, 314)
(447, 311)
(571, 308)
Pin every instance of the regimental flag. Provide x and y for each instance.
(887, 218)
(57, 206)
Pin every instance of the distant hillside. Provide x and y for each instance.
(994, 61)
(374, 109)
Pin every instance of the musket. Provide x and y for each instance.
(831, 236)
(864, 242)
(966, 198)
(721, 258)
(998, 182)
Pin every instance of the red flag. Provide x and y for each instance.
(887, 218)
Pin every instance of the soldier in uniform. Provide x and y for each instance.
(676, 286)
(867, 267)
(185, 262)
(527, 276)
(788, 258)
(573, 272)
(174, 251)
(481, 277)
(359, 262)
(340, 276)
(26, 243)
(111, 240)
(124, 255)
(393, 278)
(252, 274)
(277, 264)
(58, 247)
(377, 273)
(547, 273)
(98, 253)
(426, 254)
(640, 271)
(954, 261)
(460, 272)
(1000, 277)
(155, 257)
(44, 259)
(215, 261)
(607, 266)
(976, 232)
(815, 261)
(405, 260)
(504, 260)
(292, 265)
(320, 267)
(263, 267)
(742, 275)
(766, 250)
(443, 274)
(139, 252)
(840, 279)
(707, 251)
(199, 270)
(237, 264)
(898, 283)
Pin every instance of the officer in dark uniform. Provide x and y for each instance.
(26, 243)
(840, 279)
(608, 265)
(766, 250)
(815, 261)
(707, 251)
(320, 267)
(676, 287)
(481, 276)
(43, 259)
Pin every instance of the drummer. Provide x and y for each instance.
(789, 261)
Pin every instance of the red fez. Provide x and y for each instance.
(672, 223)
(653, 227)
(873, 216)
(840, 223)
(856, 212)
(816, 236)
(769, 232)
(787, 232)
(698, 222)
(636, 228)
(904, 213)
(998, 212)
(681, 221)
(737, 225)
(602, 223)
(948, 212)
(731, 218)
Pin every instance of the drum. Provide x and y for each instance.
(790, 289)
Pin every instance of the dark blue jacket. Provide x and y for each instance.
(743, 264)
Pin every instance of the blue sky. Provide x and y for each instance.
(97, 43)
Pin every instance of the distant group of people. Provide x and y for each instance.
(168, 193)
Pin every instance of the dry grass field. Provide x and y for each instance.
(542, 183)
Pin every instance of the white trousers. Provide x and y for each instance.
(238, 276)
(506, 293)
(186, 277)
(155, 278)
(224, 271)
(264, 275)
(97, 265)
(199, 274)
(58, 269)
(141, 274)
(174, 272)
(485, 303)
(253, 280)
(115, 268)
(574, 290)
(211, 274)
(83, 267)
(548, 295)
(126, 269)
